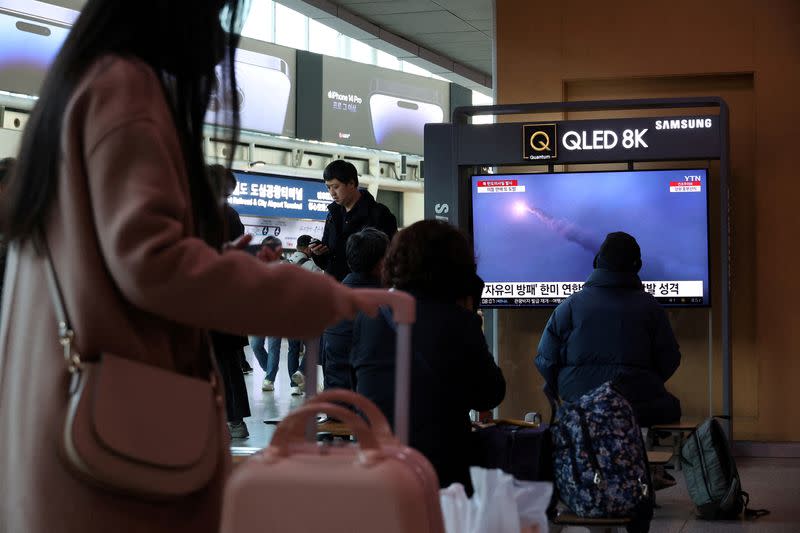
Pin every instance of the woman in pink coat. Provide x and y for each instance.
(111, 170)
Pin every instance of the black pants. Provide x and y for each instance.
(237, 403)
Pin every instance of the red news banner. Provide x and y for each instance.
(485, 186)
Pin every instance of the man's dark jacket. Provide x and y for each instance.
(612, 330)
(340, 224)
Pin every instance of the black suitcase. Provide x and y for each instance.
(524, 452)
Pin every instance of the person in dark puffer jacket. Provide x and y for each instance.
(613, 330)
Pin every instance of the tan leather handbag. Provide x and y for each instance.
(134, 428)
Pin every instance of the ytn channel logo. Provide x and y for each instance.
(539, 141)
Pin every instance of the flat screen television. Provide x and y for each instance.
(536, 235)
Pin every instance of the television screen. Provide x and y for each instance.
(536, 235)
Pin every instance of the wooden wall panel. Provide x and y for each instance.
(747, 53)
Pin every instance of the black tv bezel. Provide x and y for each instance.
(705, 305)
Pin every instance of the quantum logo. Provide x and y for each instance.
(539, 141)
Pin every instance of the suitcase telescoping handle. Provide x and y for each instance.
(291, 428)
(404, 309)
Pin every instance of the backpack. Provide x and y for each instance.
(600, 461)
(711, 475)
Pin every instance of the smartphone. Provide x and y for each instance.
(314, 241)
(399, 113)
(31, 35)
(264, 86)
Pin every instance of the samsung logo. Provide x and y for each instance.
(683, 124)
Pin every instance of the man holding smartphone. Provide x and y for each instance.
(351, 211)
(302, 256)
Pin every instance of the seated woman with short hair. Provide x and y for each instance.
(452, 369)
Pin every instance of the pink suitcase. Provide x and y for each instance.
(296, 485)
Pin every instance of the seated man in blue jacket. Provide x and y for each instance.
(613, 330)
(365, 252)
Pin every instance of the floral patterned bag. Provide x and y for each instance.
(600, 460)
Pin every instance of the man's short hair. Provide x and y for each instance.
(341, 170)
(365, 250)
(271, 241)
(303, 241)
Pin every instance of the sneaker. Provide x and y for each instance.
(267, 386)
(297, 391)
(298, 379)
(238, 430)
(246, 368)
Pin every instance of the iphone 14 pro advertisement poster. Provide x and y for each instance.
(265, 76)
(31, 35)
(374, 107)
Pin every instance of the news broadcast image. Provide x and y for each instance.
(536, 235)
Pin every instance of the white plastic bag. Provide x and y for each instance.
(456, 509)
(533, 497)
(496, 502)
(500, 504)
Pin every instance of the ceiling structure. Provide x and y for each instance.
(451, 38)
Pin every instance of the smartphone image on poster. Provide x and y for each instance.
(264, 90)
(399, 113)
(31, 35)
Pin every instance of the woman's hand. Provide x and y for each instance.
(239, 244)
(368, 301)
(265, 254)
(318, 249)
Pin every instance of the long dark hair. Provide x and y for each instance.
(183, 41)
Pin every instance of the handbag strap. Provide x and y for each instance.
(66, 334)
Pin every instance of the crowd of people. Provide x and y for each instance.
(110, 206)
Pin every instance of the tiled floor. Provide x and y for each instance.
(773, 484)
(266, 405)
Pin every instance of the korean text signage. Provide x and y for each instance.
(583, 141)
(264, 195)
